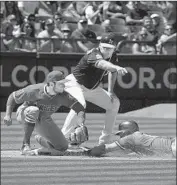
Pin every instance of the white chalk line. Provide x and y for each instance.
(16, 154)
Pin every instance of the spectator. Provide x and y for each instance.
(47, 45)
(170, 13)
(3, 47)
(166, 36)
(135, 16)
(12, 8)
(67, 45)
(46, 9)
(158, 23)
(11, 31)
(69, 12)
(80, 7)
(106, 25)
(114, 10)
(93, 13)
(150, 29)
(58, 23)
(28, 7)
(28, 44)
(53, 5)
(143, 48)
(82, 32)
(31, 19)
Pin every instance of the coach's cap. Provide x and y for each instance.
(54, 76)
(108, 41)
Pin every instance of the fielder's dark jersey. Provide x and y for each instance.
(86, 73)
(146, 144)
(36, 95)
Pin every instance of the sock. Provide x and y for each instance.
(28, 130)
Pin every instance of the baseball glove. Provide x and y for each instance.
(79, 136)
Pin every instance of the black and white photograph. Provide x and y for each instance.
(88, 92)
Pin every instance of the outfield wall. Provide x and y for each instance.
(151, 79)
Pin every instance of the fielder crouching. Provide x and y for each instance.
(39, 102)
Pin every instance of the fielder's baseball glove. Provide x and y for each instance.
(79, 136)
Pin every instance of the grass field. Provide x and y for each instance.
(109, 170)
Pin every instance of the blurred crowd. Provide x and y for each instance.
(145, 27)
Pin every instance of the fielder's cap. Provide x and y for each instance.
(49, 21)
(108, 41)
(155, 15)
(54, 76)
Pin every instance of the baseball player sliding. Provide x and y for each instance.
(132, 140)
(39, 102)
(84, 85)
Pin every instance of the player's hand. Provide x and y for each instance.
(7, 120)
(97, 151)
(112, 96)
(121, 70)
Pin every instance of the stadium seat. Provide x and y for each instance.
(120, 29)
(117, 21)
(134, 29)
(126, 49)
(169, 49)
(69, 19)
(97, 29)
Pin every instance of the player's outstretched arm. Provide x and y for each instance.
(9, 109)
(106, 148)
(103, 64)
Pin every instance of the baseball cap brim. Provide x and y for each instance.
(106, 45)
(54, 76)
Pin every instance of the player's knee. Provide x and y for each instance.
(31, 114)
(115, 104)
(62, 146)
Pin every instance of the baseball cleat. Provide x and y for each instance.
(26, 149)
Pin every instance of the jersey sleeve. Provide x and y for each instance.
(72, 103)
(25, 94)
(127, 142)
